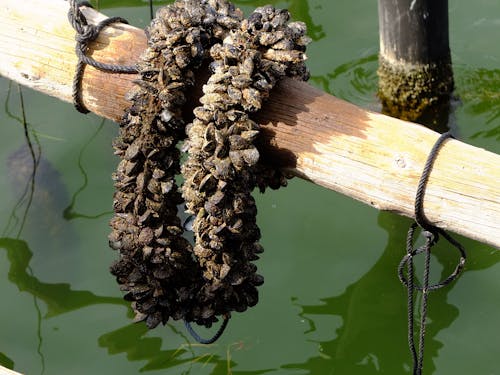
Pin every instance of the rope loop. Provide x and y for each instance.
(431, 240)
(88, 33)
(76, 17)
(431, 235)
(212, 339)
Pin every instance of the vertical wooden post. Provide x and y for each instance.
(415, 72)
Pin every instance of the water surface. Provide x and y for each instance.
(331, 302)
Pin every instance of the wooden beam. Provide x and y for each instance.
(38, 51)
(367, 156)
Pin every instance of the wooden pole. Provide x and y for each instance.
(415, 72)
(367, 156)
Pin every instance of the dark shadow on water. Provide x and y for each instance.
(59, 297)
(35, 215)
(373, 334)
(38, 189)
(354, 81)
(131, 341)
(40, 199)
(186, 357)
(373, 311)
(479, 91)
(6, 361)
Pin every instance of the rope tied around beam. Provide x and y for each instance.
(86, 33)
(162, 273)
(431, 234)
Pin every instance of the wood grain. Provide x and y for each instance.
(6, 371)
(367, 156)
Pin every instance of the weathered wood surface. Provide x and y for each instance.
(364, 155)
(6, 371)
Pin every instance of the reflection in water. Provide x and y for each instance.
(6, 361)
(130, 340)
(69, 213)
(373, 334)
(354, 81)
(27, 194)
(58, 297)
(40, 190)
(22, 167)
(43, 194)
(373, 310)
(186, 358)
(478, 89)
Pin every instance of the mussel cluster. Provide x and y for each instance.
(161, 272)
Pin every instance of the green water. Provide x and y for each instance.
(331, 302)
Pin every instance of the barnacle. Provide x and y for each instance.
(163, 275)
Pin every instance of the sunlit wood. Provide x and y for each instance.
(367, 156)
(6, 371)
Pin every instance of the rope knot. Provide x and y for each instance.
(86, 34)
(431, 236)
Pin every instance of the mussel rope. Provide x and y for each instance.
(285, 59)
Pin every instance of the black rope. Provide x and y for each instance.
(431, 234)
(212, 339)
(151, 10)
(86, 33)
(424, 178)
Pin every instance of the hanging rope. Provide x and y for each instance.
(431, 235)
(212, 339)
(86, 33)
